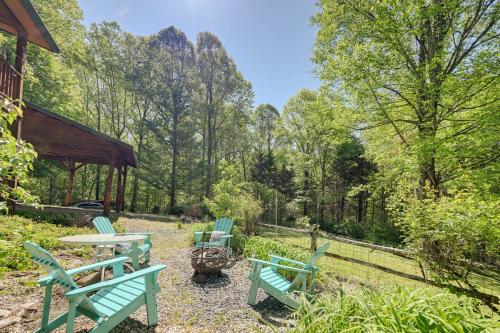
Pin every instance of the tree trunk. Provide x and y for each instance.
(173, 176)
(359, 208)
(306, 192)
(190, 170)
(210, 147)
(135, 186)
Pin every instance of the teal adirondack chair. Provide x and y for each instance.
(222, 224)
(104, 226)
(265, 275)
(112, 300)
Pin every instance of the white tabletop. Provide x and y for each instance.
(101, 239)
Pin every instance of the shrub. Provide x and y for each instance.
(454, 234)
(249, 211)
(261, 248)
(14, 230)
(233, 199)
(16, 158)
(176, 210)
(396, 310)
(38, 215)
(303, 222)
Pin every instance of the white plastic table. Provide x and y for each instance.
(100, 240)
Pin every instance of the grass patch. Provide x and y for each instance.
(369, 275)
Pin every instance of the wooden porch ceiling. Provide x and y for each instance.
(19, 17)
(55, 137)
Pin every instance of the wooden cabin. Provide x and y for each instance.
(55, 137)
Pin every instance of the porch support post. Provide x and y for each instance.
(71, 167)
(21, 44)
(118, 187)
(124, 188)
(109, 184)
(69, 185)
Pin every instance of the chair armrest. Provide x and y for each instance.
(96, 265)
(113, 282)
(48, 278)
(226, 236)
(278, 258)
(139, 233)
(267, 263)
(201, 232)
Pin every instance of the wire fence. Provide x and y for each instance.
(374, 264)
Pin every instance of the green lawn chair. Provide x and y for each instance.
(222, 224)
(104, 226)
(112, 300)
(265, 275)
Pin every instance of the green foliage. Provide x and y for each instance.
(454, 234)
(261, 248)
(15, 159)
(14, 230)
(396, 310)
(233, 199)
(60, 219)
(425, 105)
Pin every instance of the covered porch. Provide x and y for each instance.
(58, 138)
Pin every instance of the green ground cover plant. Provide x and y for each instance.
(46, 217)
(393, 310)
(14, 230)
(261, 248)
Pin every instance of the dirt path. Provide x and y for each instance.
(184, 305)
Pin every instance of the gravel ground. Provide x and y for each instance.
(184, 305)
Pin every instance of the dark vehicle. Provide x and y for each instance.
(89, 205)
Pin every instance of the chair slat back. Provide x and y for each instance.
(318, 254)
(224, 224)
(103, 225)
(56, 272)
(297, 282)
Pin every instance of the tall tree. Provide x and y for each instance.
(265, 117)
(174, 57)
(425, 70)
(220, 84)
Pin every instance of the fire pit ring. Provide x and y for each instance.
(209, 260)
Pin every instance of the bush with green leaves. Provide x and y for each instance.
(61, 219)
(261, 248)
(455, 234)
(233, 198)
(395, 310)
(14, 230)
(16, 158)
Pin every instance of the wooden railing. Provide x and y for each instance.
(9, 80)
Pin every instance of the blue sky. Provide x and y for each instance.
(270, 40)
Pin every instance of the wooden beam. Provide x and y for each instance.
(109, 184)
